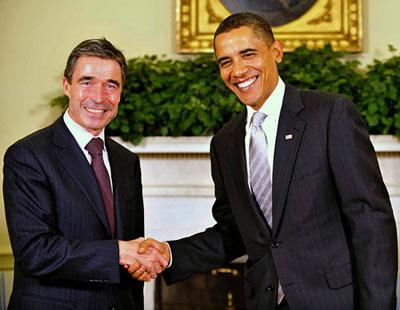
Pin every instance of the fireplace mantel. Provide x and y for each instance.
(189, 157)
(201, 145)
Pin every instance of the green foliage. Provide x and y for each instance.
(61, 101)
(322, 69)
(164, 97)
(379, 101)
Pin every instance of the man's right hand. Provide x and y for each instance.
(149, 247)
(144, 265)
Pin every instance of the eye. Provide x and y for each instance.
(249, 54)
(224, 63)
(86, 82)
(111, 86)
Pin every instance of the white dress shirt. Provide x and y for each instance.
(272, 108)
(82, 137)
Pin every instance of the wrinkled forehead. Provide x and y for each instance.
(97, 67)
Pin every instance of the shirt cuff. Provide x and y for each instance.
(170, 254)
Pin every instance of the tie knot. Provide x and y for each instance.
(95, 147)
(258, 119)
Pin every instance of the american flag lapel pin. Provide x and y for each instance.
(288, 137)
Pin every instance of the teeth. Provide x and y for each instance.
(246, 83)
(94, 111)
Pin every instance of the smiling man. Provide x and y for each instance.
(94, 92)
(248, 65)
(72, 195)
(298, 189)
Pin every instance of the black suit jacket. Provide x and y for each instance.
(333, 242)
(64, 255)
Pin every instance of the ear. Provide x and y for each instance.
(277, 50)
(66, 86)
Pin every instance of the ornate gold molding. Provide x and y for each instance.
(6, 261)
(387, 154)
(336, 22)
(325, 17)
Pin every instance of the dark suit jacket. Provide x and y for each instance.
(64, 255)
(333, 243)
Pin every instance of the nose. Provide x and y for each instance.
(97, 93)
(239, 68)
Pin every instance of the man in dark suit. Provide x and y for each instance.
(298, 189)
(72, 195)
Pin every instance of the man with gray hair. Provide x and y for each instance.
(73, 198)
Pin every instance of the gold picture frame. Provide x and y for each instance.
(338, 22)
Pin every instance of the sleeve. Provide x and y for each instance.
(40, 249)
(215, 246)
(365, 205)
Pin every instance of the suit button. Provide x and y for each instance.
(270, 288)
(275, 244)
(113, 307)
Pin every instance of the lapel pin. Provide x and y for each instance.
(288, 137)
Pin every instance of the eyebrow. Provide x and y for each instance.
(219, 60)
(90, 78)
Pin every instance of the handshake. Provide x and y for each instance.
(144, 258)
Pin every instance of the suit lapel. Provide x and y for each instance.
(289, 135)
(117, 177)
(74, 163)
(237, 151)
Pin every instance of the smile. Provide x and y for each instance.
(247, 83)
(94, 110)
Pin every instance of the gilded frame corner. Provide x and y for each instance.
(337, 22)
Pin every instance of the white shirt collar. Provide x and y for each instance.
(81, 135)
(272, 106)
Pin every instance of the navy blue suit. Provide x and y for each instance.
(64, 255)
(333, 242)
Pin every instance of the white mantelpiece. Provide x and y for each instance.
(388, 152)
(385, 143)
(163, 145)
(382, 143)
(180, 166)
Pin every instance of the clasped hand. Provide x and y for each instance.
(143, 258)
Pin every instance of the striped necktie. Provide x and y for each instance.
(260, 171)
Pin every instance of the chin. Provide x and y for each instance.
(249, 103)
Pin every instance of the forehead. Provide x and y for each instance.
(96, 66)
(236, 40)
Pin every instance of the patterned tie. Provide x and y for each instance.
(260, 172)
(95, 149)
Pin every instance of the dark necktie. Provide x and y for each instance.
(95, 149)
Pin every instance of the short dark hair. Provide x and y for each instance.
(256, 23)
(98, 48)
